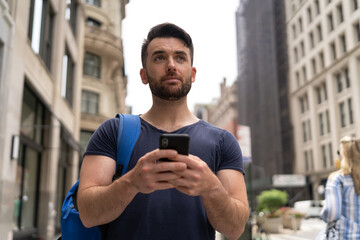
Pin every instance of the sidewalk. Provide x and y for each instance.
(309, 230)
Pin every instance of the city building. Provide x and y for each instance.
(103, 81)
(49, 54)
(222, 112)
(324, 57)
(263, 91)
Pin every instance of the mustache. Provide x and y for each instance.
(171, 75)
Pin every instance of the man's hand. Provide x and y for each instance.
(150, 175)
(223, 195)
(197, 179)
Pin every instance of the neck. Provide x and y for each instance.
(169, 115)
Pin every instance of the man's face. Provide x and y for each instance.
(168, 69)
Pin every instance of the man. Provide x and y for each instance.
(188, 197)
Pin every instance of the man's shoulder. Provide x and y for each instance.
(213, 129)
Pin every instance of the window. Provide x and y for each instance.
(351, 120)
(92, 65)
(340, 13)
(84, 140)
(94, 2)
(357, 31)
(333, 50)
(32, 115)
(330, 22)
(304, 131)
(321, 93)
(64, 160)
(347, 78)
(331, 155)
(323, 151)
(318, 93)
(302, 46)
(313, 63)
(343, 42)
(328, 128)
(297, 79)
(309, 14)
(304, 73)
(71, 13)
(309, 128)
(300, 25)
(311, 37)
(67, 81)
(322, 60)
(89, 102)
(92, 22)
(294, 31)
(40, 29)
(26, 202)
(304, 103)
(1, 59)
(317, 7)
(321, 124)
(355, 4)
(324, 90)
(342, 114)
(319, 31)
(307, 167)
(339, 83)
(296, 55)
(343, 80)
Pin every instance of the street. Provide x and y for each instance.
(308, 230)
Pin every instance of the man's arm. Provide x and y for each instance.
(101, 201)
(223, 196)
(227, 204)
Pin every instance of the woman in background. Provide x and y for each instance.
(342, 193)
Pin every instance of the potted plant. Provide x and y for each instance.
(269, 204)
(292, 218)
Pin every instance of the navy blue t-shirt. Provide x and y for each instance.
(167, 214)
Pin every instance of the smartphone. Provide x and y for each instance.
(178, 142)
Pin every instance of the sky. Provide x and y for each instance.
(211, 25)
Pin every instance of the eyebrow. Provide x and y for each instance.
(162, 51)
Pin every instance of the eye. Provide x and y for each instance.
(159, 58)
(180, 58)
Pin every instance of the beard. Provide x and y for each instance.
(169, 92)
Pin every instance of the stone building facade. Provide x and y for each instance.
(43, 61)
(324, 59)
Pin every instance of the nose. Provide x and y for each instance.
(171, 64)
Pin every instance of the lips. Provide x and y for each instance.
(171, 79)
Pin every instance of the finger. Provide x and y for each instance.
(192, 162)
(167, 177)
(157, 154)
(171, 166)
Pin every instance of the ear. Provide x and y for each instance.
(143, 76)
(193, 74)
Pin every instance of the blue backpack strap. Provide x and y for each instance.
(128, 133)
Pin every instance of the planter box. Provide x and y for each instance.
(273, 225)
(291, 222)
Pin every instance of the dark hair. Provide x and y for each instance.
(166, 30)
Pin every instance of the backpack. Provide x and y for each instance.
(71, 225)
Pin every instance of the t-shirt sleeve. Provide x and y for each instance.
(104, 140)
(231, 156)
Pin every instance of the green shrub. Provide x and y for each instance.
(271, 200)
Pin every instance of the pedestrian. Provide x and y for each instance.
(188, 197)
(342, 193)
